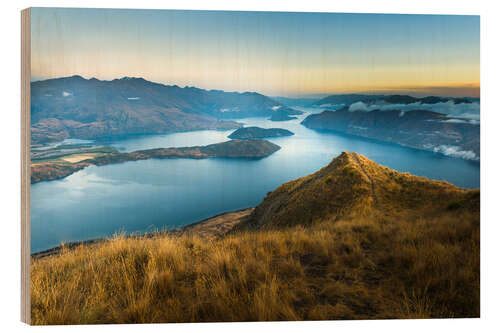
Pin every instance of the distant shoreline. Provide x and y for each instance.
(252, 148)
(179, 230)
(393, 144)
(97, 141)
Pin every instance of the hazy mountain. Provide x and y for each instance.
(295, 101)
(81, 108)
(347, 99)
(281, 115)
(419, 129)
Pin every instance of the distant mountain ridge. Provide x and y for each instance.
(89, 108)
(347, 99)
(295, 101)
(419, 129)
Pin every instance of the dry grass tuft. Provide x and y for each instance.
(351, 269)
(352, 241)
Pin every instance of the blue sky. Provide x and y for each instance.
(274, 53)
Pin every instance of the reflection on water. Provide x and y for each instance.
(154, 194)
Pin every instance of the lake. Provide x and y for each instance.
(146, 195)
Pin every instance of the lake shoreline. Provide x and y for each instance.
(134, 196)
(221, 219)
(392, 143)
(252, 148)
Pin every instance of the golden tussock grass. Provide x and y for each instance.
(353, 241)
(351, 269)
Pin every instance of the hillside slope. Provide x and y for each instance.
(80, 108)
(353, 186)
(354, 240)
(418, 129)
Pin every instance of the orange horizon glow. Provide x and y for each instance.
(276, 54)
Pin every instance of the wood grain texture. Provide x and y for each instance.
(25, 164)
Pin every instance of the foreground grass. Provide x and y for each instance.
(371, 267)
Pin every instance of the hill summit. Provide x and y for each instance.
(355, 186)
(354, 240)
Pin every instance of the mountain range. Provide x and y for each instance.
(347, 99)
(296, 101)
(420, 129)
(75, 107)
(90, 108)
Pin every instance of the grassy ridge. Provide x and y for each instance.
(347, 270)
(354, 186)
(372, 260)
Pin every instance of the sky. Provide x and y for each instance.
(274, 53)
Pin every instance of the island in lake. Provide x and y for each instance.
(281, 116)
(254, 132)
(60, 168)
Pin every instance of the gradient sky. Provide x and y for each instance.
(286, 54)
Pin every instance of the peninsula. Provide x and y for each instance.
(57, 169)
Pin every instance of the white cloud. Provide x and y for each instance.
(230, 109)
(332, 106)
(360, 106)
(463, 110)
(455, 151)
(455, 121)
(358, 127)
(66, 93)
(133, 98)
(472, 116)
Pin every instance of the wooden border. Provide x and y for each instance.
(25, 163)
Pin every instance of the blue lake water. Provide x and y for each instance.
(146, 195)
